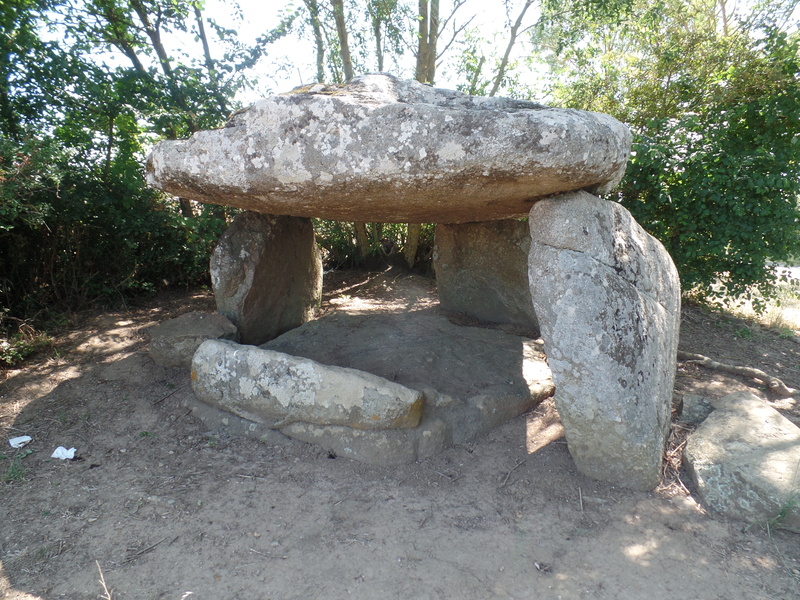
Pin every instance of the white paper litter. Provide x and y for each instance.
(63, 453)
(19, 442)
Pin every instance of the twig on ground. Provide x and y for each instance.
(673, 460)
(139, 553)
(580, 498)
(269, 555)
(445, 475)
(177, 389)
(773, 383)
(106, 591)
(505, 481)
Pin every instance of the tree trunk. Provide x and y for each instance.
(376, 31)
(316, 27)
(186, 208)
(428, 33)
(341, 31)
(163, 58)
(109, 148)
(501, 72)
(212, 71)
(412, 244)
(362, 239)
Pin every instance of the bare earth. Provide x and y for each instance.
(164, 508)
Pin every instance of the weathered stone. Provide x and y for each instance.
(267, 275)
(387, 150)
(174, 342)
(607, 296)
(694, 408)
(745, 461)
(277, 389)
(474, 379)
(385, 448)
(482, 271)
(224, 422)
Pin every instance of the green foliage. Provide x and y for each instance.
(337, 239)
(14, 472)
(77, 223)
(715, 109)
(720, 185)
(71, 235)
(25, 342)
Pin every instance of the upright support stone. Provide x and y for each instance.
(481, 271)
(607, 296)
(267, 275)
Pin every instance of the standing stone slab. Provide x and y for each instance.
(277, 389)
(267, 275)
(482, 271)
(387, 150)
(745, 461)
(607, 296)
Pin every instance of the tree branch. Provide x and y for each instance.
(773, 383)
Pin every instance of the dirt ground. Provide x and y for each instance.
(157, 507)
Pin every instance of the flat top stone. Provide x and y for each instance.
(384, 149)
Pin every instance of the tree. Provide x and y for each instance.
(714, 103)
(73, 134)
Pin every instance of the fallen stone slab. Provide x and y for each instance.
(474, 379)
(266, 274)
(277, 389)
(607, 296)
(174, 342)
(385, 448)
(745, 461)
(482, 271)
(387, 150)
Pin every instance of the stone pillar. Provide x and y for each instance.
(267, 275)
(607, 296)
(481, 271)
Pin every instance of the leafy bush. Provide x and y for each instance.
(71, 236)
(720, 187)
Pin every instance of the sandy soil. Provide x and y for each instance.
(165, 509)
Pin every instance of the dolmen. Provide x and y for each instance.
(603, 293)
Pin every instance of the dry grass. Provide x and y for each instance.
(671, 482)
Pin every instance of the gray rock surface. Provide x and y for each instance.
(607, 296)
(174, 342)
(482, 271)
(277, 389)
(745, 461)
(694, 408)
(474, 379)
(266, 274)
(385, 448)
(387, 150)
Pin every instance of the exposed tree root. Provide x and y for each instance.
(773, 383)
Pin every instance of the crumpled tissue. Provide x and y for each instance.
(63, 453)
(19, 442)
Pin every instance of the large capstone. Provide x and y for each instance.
(267, 275)
(607, 296)
(382, 149)
(482, 271)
